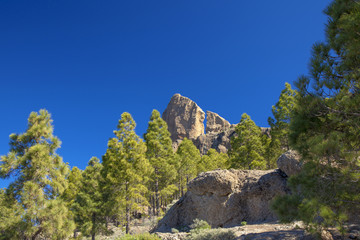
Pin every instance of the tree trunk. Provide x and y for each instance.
(127, 209)
(93, 232)
(157, 193)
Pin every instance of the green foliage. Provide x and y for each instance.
(88, 203)
(199, 225)
(246, 148)
(144, 236)
(280, 125)
(213, 234)
(74, 185)
(126, 171)
(324, 126)
(188, 158)
(161, 157)
(40, 180)
(243, 223)
(213, 160)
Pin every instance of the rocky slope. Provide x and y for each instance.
(186, 119)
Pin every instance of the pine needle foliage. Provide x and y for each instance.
(88, 205)
(126, 171)
(39, 181)
(246, 147)
(325, 126)
(161, 157)
(188, 158)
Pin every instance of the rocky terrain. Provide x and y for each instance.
(226, 198)
(186, 119)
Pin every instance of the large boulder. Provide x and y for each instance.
(225, 198)
(289, 163)
(185, 119)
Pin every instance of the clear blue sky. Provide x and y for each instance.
(88, 61)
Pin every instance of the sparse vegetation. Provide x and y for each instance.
(212, 234)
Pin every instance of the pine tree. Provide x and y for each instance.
(74, 185)
(246, 147)
(282, 114)
(188, 158)
(161, 157)
(40, 180)
(10, 217)
(213, 160)
(280, 125)
(126, 170)
(88, 202)
(324, 127)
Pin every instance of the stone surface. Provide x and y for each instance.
(289, 163)
(225, 198)
(215, 123)
(219, 141)
(184, 118)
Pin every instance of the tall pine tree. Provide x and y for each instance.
(325, 126)
(126, 170)
(188, 158)
(88, 202)
(40, 180)
(246, 147)
(161, 157)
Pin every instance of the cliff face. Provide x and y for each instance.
(186, 119)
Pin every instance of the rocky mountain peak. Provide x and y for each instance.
(185, 119)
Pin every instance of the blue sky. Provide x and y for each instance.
(88, 61)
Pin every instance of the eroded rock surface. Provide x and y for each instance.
(289, 163)
(215, 123)
(184, 118)
(225, 198)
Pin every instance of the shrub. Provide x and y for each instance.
(212, 234)
(243, 223)
(145, 236)
(199, 225)
(174, 230)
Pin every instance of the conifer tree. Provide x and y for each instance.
(88, 202)
(161, 157)
(39, 181)
(325, 126)
(213, 160)
(74, 185)
(10, 217)
(70, 194)
(126, 170)
(246, 147)
(188, 158)
(280, 126)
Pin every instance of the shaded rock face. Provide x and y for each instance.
(219, 141)
(184, 118)
(215, 123)
(225, 198)
(289, 163)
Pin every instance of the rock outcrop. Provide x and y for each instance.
(289, 163)
(215, 123)
(185, 119)
(225, 198)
